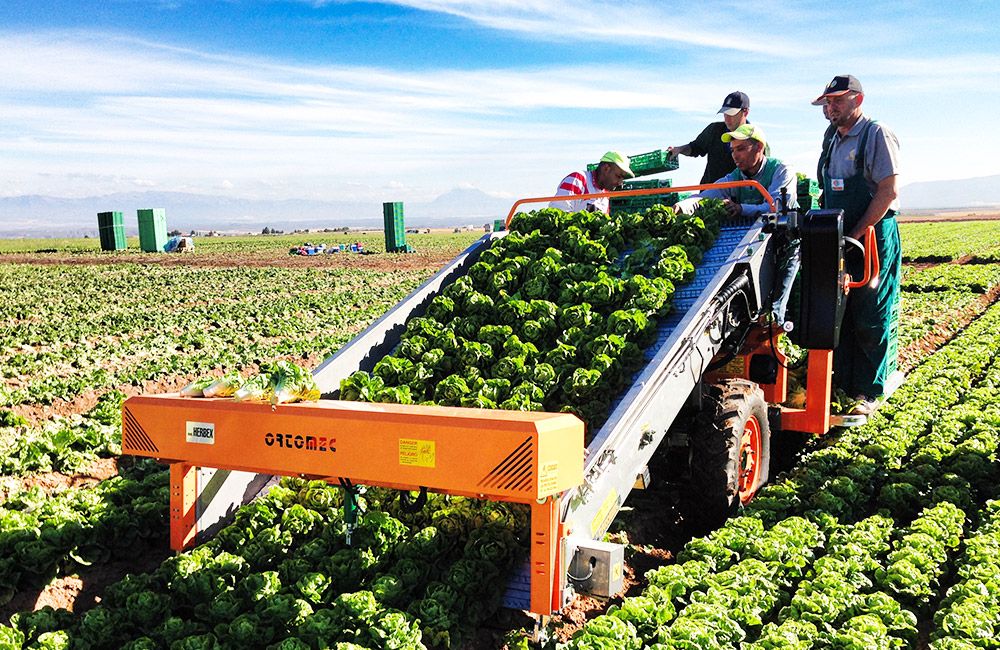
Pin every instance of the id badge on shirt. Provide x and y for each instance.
(837, 184)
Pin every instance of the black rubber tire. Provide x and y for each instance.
(712, 495)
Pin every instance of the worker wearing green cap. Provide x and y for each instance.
(859, 171)
(612, 169)
(748, 147)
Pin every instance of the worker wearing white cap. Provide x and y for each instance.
(612, 169)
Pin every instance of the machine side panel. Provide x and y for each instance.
(517, 455)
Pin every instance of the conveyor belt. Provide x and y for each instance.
(686, 297)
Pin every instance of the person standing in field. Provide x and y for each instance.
(859, 169)
(735, 109)
(612, 169)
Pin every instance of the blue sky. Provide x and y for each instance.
(407, 100)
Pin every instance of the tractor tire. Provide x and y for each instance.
(730, 453)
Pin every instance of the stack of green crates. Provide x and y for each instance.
(499, 224)
(395, 230)
(112, 230)
(152, 230)
(893, 338)
(808, 194)
(651, 162)
(627, 204)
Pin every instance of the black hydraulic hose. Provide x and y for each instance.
(727, 294)
(721, 300)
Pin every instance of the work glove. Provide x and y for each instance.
(687, 206)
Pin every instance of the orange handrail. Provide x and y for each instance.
(872, 265)
(652, 190)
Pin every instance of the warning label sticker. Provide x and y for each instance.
(417, 453)
(605, 514)
(548, 478)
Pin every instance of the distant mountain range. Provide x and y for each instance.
(982, 192)
(47, 216)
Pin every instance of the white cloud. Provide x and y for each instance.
(133, 114)
(613, 23)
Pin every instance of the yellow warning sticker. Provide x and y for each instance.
(605, 514)
(616, 571)
(417, 453)
(548, 478)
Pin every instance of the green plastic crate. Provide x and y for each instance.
(651, 162)
(499, 225)
(894, 338)
(109, 219)
(808, 187)
(807, 202)
(152, 229)
(395, 228)
(112, 237)
(650, 184)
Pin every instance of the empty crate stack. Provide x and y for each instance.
(395, 230)
(111, 228)
(152, 230)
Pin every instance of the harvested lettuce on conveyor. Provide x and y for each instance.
(560, 310)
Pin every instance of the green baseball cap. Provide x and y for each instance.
(745, 132)
(621, 161)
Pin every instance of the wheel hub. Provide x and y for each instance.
(749, 463)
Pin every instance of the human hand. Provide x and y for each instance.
(733, 209)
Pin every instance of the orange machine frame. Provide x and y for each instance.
(815, 417)
(514, 456)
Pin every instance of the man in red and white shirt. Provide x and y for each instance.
(612, 169)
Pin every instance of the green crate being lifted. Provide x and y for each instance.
(651, 162)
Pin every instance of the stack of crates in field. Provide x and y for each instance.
(499, 224)
(893, 338)
(395, 230)
(628, 204)
(808, 194)
(111, 228)
(152, 230)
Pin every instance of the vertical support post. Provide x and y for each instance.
(183, 496)
(815, 417)
(545, 578)
(777, 392)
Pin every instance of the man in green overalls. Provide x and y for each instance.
(859, 169)
(749, 151)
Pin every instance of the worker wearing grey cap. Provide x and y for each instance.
(859, 169)
(735, 109)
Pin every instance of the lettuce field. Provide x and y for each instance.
(885, 535)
